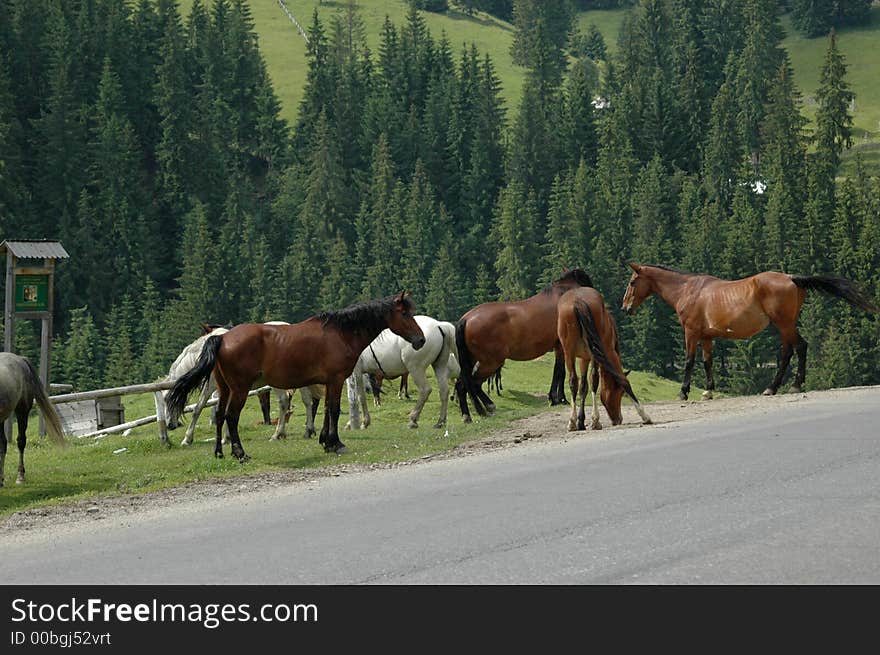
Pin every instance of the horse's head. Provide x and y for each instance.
(611, 394)
(402, 322)
(637, 290)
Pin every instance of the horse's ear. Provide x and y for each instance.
(635, 267)
(400, 296)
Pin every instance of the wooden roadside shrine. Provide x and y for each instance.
(30, 294)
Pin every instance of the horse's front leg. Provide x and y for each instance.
(557, 384)
(421, 381)
(22, 415)
(283, 415)
(362, 398)
(352, 389)
(707, 364)
(332, 404)
(691, 340)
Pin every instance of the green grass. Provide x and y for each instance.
(89, 467)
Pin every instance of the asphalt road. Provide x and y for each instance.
(791, 496)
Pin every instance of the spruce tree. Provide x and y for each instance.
(81, 346)
(833, 118)
(120, 366)
(518, 233)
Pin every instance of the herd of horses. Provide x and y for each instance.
(384, 339)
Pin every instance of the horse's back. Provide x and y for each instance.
(741, 308)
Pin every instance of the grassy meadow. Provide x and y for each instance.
(90, 467)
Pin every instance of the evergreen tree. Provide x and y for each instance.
(120, 367)
(446, 297)
(155, 355)
(541, 29)
(518, 233)
(833, 118)
(783, 133)
(581, 139)
(80, 357)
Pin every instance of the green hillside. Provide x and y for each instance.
(284, 50)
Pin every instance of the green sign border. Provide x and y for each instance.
(32, 293)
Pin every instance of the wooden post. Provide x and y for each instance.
(160, 417)
(9, 321)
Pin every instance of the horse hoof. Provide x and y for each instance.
(581, 426)
(19, 480)
(769, 392)
(682, 396)
(595, 425)
(572, 427)
(490, 409)
(439, 424)
(466, 418)
(185, 443)
(218, 455)
(794, 389)
(413, 425)
(707, 395)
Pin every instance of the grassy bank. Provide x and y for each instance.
(90, 468)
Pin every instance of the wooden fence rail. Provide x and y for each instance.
(159, 417)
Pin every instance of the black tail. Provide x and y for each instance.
(591, 336)
(466, 361)
(195, 377)
(839, 287)
(50, 414)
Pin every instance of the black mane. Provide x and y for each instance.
(577, 275)
(363, 317)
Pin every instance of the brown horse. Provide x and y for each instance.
(588, 333)
(710, 308)
(522, 330)
(320, 350)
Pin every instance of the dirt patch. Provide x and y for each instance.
(547, 426)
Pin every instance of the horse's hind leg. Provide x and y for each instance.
(222, 403)
(569, 363)
(595, 423)
(22, 415)
(707, 364)
(799, 379)
(789, 339)
(461, 392)
(582, 393)
(237, 400)
(2, 449)
(265, 398)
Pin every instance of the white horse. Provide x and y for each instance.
(187, 359)
(391, 356)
